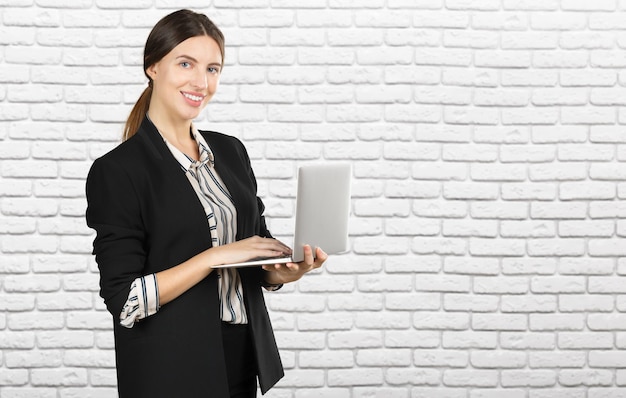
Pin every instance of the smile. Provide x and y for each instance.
(193, 97)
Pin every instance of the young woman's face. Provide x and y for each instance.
(186, 78)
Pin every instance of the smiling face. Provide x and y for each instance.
(185, 79)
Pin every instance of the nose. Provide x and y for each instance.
(200, 80)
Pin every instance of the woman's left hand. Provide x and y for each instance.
(291, 272)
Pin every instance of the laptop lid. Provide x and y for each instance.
(322, 212)
(322, 208)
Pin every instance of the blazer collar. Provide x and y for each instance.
(153, 140)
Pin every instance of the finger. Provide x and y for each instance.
(308, 254)
(321, 257)
(273, 244)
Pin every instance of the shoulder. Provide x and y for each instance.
(221, 139)
(126, 158)
(225, 145)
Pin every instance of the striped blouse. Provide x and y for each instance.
(143, 299)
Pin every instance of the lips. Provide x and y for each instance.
(194, 99)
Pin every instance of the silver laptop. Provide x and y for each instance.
(322, 212)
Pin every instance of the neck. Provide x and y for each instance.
(172, 130)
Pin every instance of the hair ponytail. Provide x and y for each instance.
(170, 31)
(137, 113)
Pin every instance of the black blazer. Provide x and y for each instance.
(148, 219)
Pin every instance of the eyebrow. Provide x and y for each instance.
(196, 61)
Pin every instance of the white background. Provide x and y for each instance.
(489, 153)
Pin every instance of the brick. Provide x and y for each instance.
(446, 57)
(65, 339)
(539, 78)
(497, 172)
(324, 359)
(585, 266)
(402, 376)
(536, 116)
(13, 377)
(383, 357)
(525, 266)
(562, 171)
(499, 360)
(585, 340)
(606, 247)
(440, 358)
(578, 5)
(334, 18)
(528, 378)
(582, 78)
(434, 245)
(324, 321)
(527, 228)
(558, 58)
(565, 22)
(498, 20)
(518, 40)
(59, 377)
(570, 378)
(470, 191)
(365, 283)
(495, 392)
(469, 339)
(586, 303)
(499, 247)
(355, 339)
(438, 392)
(556, 247)
(543, 322)
(470, 115)
(605, 359)
(500, 285)
(442, 321)
(412, 301)
(607, 322)
(355, 377)
(508, 322)
(528, 303)
(469, 77)
(413, 151)
(478, 39)
(501, 59)
(348, 74)
(528, 153)
(412, 339)
(472, 378)
(525, 340)
(559, 96)
(470, 266)
(387, 19)
(559, 359)
(470, 302)
(442, 95)
(33, 359)
(365, 302)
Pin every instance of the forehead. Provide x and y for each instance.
(202, 48)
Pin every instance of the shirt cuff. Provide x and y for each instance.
(270, 286)
(143, 300)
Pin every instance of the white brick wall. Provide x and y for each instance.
(489, 151)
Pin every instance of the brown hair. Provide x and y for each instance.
(169, 32)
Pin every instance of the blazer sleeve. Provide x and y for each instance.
(113, 211)
(246, 159)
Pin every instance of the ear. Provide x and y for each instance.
(151, 71)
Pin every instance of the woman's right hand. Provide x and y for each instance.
(248, 249)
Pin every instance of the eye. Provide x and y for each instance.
(185, 64)
(212, 69)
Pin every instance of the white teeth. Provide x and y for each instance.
(193, 97)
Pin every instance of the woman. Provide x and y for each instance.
(169, 203)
